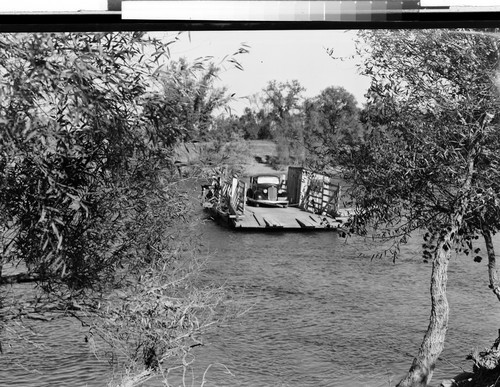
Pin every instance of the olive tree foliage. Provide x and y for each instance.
(255, 125)
(283, 102)
(88, 203)
(283, 99)
(70, 132)
(331, 120)
(187, 98)
(255, 121)
(431, 159)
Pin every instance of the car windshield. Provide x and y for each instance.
(268, 180)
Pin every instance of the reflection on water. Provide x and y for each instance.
(324, 314)
(317, 312)
(51, 354)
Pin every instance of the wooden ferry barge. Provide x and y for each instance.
(313, 203)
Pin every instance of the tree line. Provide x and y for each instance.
(305, 130)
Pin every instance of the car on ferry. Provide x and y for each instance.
(267, 190)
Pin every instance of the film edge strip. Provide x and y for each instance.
(289, 11)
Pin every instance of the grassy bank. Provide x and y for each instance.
(244, 157)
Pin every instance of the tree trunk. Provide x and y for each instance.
(492, 264)
(422, 368)
(423, 365)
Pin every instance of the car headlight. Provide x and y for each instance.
(280, 191)
(264, 190)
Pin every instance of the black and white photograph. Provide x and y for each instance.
(255, 207)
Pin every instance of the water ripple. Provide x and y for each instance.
(319, 312)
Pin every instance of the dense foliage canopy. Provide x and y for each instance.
(430, 160)
(91, 205)
(331, 122)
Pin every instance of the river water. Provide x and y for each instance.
(313, 310)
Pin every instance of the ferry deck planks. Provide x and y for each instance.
(284, 218)
(310, 194)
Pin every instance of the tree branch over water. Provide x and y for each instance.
(430, 159)
(92, 205)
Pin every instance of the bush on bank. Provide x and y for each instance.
(90, 197)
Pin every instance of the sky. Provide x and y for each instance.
(281, 55)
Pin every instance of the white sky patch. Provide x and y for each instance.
(277, 55)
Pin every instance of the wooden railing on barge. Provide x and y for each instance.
(238, 197)
(309, 193)
(313, 192)
(225, 196)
